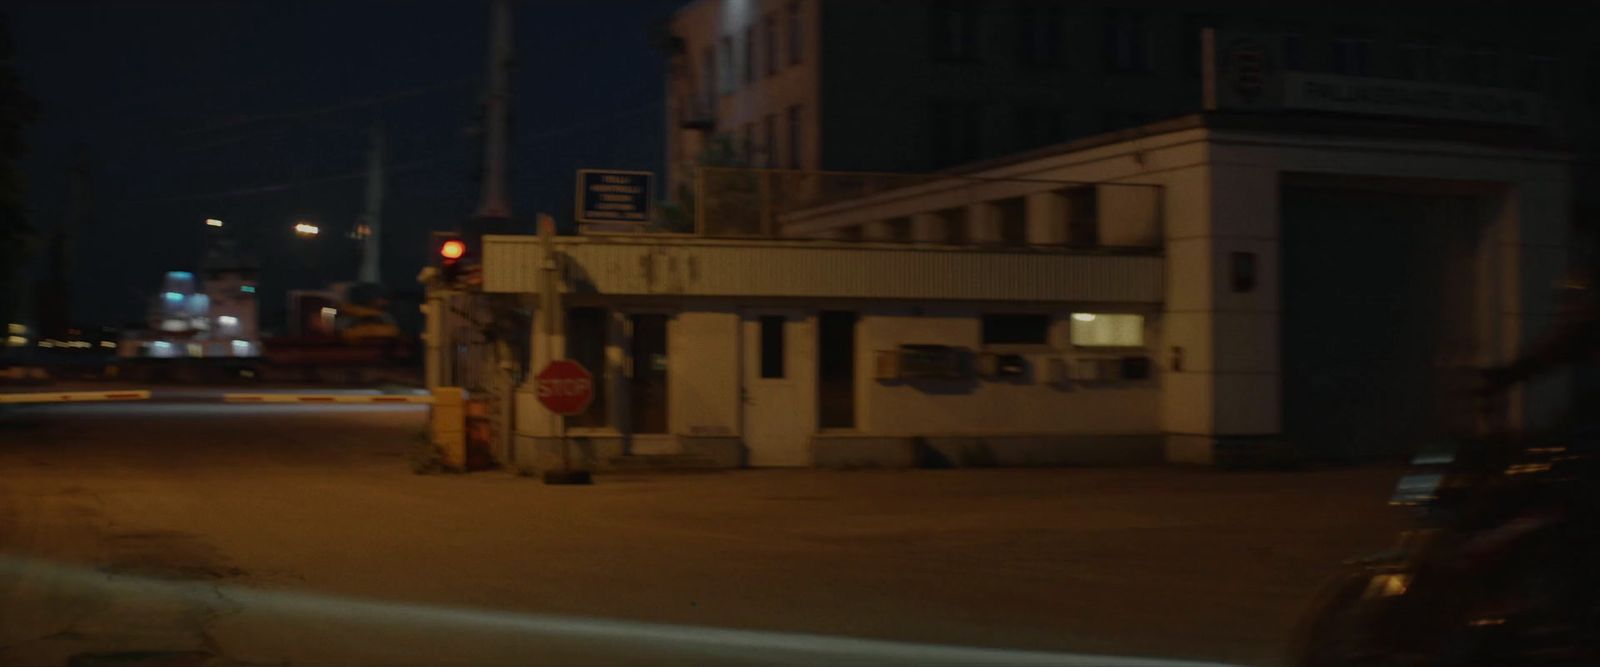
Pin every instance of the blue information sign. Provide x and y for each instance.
(614, 196)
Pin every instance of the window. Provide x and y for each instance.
(1294, 52)
(1418, 60)
(1351, 55)
(1107, 330)
(750, 54)
(795, 143)
(1037, 126)
(726, 83)
(749, 153)
(708, 65)
(772, 346)
(1016, 329)
(796, 45)
(1539, 72)
(1127, 41)
(770, 35)
(769, 139)
(954, 28)
(1194, 27)
(1480, 65)
(955, 132)
(1039, 41)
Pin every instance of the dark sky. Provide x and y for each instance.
(257, 113)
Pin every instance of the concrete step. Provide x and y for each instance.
(661, 462)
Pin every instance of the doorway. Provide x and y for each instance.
(836, 369)
(778, 419)
(647, 392)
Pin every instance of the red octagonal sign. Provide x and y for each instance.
(565, 387)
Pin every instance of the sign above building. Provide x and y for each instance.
(608, 196)
(1246, 72)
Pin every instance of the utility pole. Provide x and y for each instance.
(492, 205)
(370, 227)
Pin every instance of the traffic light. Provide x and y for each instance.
(452, 255)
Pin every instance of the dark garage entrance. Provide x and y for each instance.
(1379, 317)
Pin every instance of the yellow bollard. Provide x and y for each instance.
(448, 423)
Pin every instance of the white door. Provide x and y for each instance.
(779, 372)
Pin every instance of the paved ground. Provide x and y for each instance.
(289, 534)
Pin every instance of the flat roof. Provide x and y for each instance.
(1308, 123)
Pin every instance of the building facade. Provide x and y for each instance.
(918, 86)
(1243, 286)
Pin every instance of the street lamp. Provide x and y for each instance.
(306, 230)
(213, 222)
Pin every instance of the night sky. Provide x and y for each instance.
(257, 113)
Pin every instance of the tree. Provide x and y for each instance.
(17, 111)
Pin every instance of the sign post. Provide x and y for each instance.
(615, 198)
(565, 388)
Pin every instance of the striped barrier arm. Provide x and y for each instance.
(75, 396)
(322, 398)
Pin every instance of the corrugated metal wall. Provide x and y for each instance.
(767, 269)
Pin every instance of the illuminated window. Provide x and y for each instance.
(247, 289)
(1107, 330)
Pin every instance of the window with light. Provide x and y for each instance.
(1107, 330)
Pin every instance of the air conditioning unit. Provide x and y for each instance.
(921, 362)
(1088, 370)
(1001, 366)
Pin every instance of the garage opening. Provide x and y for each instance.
(1380, 316)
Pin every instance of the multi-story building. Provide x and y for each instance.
(923, 85)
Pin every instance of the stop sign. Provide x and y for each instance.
(564, 387)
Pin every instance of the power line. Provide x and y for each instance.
(334, 108)
(283, 187)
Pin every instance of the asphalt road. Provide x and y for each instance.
(285, 534)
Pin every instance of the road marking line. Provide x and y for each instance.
(75, 397)
(324, 398)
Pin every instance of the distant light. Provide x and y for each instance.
(173, 296)
(228, 321)
(247, 289)
(213, 222)
(185, 275)
(108, 343)
(241, 348)
(1083, 317)
(453, 249)
(16, 328)
(329, 312)
(196, 350)
(161, 345)
(306, 229)
(44, 343)
(16, 341)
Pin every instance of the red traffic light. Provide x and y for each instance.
(452, 249)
